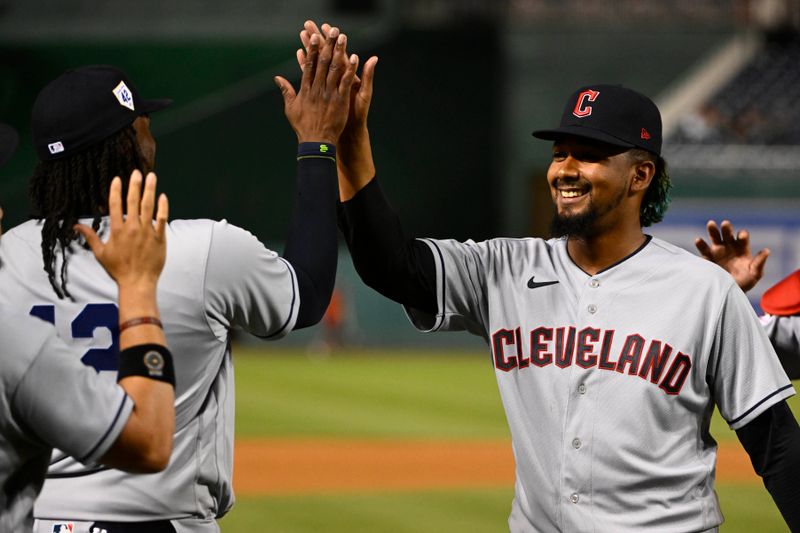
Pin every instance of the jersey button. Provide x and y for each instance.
(592, 309)
(582, 388)
(574, 498)
(576, 443)
(594, 283)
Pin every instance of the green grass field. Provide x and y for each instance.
(400, 395)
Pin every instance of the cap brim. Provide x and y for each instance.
(151, 106)
(580, 131)
(8, 143)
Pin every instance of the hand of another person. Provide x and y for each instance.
(354, 152)
(732, 252)
(136, 249)
(318, 111)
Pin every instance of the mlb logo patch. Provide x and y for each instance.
(124, 95)
(56, 147)
(63, 527)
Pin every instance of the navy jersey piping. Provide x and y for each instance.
(291, 306)
(759, 403)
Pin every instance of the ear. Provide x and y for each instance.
(643, 174)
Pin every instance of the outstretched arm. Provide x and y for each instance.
(317, 113)
(732, 252)
(399, 267)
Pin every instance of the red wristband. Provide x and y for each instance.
(141, 321)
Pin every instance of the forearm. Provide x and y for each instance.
(145, 443)
(355, 165)
(139, 301)
(773, 442)
(311, 244)
(398, 267)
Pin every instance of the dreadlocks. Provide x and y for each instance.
(63, 190)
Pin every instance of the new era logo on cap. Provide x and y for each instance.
(124, 96)
(56, 147)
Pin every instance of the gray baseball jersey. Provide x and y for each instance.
(609, 381)
(784, 333)
(47, 398)
(216, 277)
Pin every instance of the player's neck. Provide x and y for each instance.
(597, 252)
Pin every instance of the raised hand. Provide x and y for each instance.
(136, 249)
(732, 252)
(354, 152)
(319, 110)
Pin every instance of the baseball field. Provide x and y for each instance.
(399, 441)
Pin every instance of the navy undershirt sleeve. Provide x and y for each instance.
(311, 243)
(399, 267)
(773, 442)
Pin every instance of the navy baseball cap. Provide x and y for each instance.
(612, 114)
(8, 142)
(82, 107)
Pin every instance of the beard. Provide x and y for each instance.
(580, 225)
(585, 224)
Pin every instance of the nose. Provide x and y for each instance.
(568, 168)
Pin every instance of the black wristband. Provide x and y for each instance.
(316, 151)
(152, 361)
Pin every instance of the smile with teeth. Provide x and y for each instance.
(571, 193)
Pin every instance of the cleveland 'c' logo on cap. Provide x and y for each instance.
(581, 109)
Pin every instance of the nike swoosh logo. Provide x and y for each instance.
(535, 285)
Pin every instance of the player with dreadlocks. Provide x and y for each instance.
(89, 125)
(61, 191)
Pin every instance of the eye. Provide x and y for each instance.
(559, 155)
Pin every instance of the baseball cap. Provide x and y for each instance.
(612, 114)
(82, 107)
(8, 142)
(783, 299)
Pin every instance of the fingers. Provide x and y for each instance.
(757, 266)
(349, 77)
(311, 27)
(325, 60)
(310, 64)
(727, 231)
(115, 202)
(148, 198)
(286, 89)
(339, 64)
(162, 215)
(91, 238)
(301, 58)
(713, 232)
(703, 247)
(367, 77)
(134, 196)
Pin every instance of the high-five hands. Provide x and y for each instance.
(732, 252)
(354, 153)
(319, 111)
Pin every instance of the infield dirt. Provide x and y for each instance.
(290, 466)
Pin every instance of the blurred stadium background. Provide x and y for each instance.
(460, 86)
